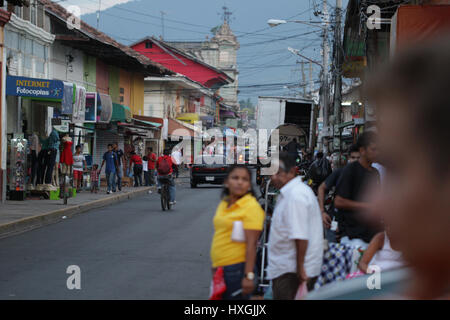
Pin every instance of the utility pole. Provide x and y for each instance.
(324, 98)
(311, 84)
(338, 77)
(162, 23)
(303, 79)
(98, 13)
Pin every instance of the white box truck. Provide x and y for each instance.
(293, 116)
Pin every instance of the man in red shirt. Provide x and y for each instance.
(137, 169)
(151, 165)
(164, 169)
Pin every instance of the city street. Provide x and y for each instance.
(130, 250)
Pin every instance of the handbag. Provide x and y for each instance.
(301, 292)
(218, 286)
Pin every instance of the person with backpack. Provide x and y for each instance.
(137, 168)
(319, 170)
(164, 169)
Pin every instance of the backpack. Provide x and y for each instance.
(319, 170)
(164, 167)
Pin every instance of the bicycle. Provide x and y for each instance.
(165, 195)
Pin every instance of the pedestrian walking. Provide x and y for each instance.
(238, 223)
(295, 248)
(94, 178)
(110, 158)
(151, 158)
(136, 161)
(79, 165)
(330, 185)
(119, 172)
(351, 188)
(319, 170)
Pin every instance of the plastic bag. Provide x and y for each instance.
(301, 292)
(218, 286)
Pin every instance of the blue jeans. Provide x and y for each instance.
(233, 276)
(111, 179)
(330, 235)
(172, 189)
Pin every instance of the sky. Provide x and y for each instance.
(266, 67)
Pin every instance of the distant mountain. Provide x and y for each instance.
(134, 20)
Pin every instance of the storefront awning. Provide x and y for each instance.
(154, 124)
(189, 117)
(121, 113)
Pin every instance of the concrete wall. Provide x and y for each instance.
(125, 85)
(137, 94)
(62, 69)
(90, 73)
(114, 84)
(153, 99)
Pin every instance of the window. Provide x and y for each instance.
(148, 45)
(121, 99)
(18, 11)
(40, 66)
(26, 13)
(33, 12)
(12, 40)
(39, 50)
(122, 90)
(40, 16)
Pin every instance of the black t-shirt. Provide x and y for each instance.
(352, 184)
(333, 178)
(119, 154)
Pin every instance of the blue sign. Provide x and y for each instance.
(34, 88)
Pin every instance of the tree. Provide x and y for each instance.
(247, 104)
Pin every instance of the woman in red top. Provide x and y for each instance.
(137, 168)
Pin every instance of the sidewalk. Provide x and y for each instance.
(21, 216)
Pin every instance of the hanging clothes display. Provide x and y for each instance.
(66, 155)
(35, 148)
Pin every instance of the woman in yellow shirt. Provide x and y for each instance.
(237, 258)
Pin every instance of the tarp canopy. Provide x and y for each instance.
(121, 113)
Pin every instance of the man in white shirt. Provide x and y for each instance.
(296, 234)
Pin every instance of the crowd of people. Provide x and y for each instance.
(389, 202)
(144, 170)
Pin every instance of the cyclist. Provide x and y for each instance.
(164, 170)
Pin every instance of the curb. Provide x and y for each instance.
(55, 216)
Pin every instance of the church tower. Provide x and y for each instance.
(228, 46)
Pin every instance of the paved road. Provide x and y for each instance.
(131, 250)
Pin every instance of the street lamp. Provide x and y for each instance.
(276, 22)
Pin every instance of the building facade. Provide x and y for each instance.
(221, 53)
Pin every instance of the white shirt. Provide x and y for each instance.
(144, 165)
(387, 258)
(78, 161)
(296, 217)
(381, 170)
